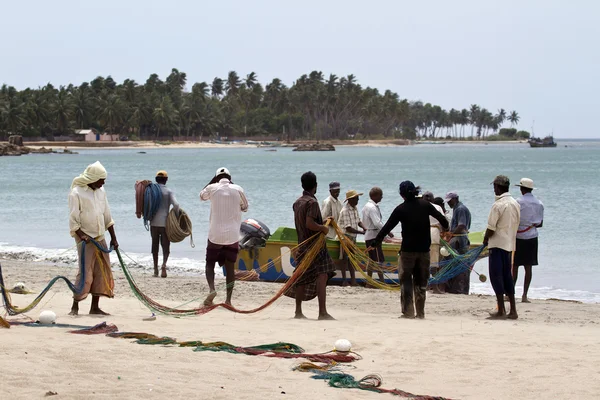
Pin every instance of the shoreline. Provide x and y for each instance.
(147, 145)
(553, 344)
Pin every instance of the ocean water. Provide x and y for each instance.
(34, 188)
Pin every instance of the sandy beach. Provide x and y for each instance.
(551, 352)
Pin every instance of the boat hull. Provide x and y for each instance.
(275, 263)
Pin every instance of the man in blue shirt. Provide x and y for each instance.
(459, 228)
(532, 218)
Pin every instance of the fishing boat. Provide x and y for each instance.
(548, 141)
(272, 258)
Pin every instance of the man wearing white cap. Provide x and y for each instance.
(90, 218)
(526, 249)
(227, 202)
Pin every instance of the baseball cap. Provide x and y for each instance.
(451, 195)
(162, 173)
(501, 180)
(334, 185)
(526, 183)
(222, 171)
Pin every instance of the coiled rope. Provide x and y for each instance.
(152, 198)
(179, 227)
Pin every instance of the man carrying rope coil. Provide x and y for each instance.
(158, 224)
(227, 202)
(90, 218)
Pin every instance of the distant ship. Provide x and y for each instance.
(548, 141)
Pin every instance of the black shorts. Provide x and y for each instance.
(376, 253)
(526, 252)
(221, 252)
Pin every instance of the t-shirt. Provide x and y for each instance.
(532, 212)
(168, 198)
(331, 208)
(413, 214)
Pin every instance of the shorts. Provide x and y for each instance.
(526, 252)
(343, 254)
(221, 252)
(376, 253)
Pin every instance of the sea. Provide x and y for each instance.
(34, 188)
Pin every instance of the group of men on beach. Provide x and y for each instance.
(422, 218)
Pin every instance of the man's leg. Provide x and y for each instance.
(343, 264)
(166, 249)
(421, 276)
(229, 279)
(496, 279)
(322, 296)
(155, 238)
(95, 308)
(528, 276)
(509, 286)
(407, 261)
(299, 297)
(210, 279)
(74, 308)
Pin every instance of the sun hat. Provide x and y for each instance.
(501, 180)
(352, 193)
(162, 173)
(451, 195)
(222, 171)
(526, 183)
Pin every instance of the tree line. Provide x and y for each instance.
(314, 107)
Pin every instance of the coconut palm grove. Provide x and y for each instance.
(314, 107)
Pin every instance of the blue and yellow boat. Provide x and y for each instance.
(274, 262)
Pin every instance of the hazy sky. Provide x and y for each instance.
(540, 58)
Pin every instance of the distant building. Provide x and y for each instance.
(91, 135)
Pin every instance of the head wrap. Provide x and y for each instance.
(93, 173)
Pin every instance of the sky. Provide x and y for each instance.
(540, 58)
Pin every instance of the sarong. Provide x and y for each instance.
(98, 275)
(322, 264)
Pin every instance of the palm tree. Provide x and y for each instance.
(233, 83)
(216, 88)
(11, 115)
(164, 115)
(82, 108)
(513, 117)
(251, 80)
(62, 111)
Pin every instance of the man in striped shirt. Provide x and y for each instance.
(227, 202)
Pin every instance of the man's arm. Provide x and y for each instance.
(488, 234)
(243, 201)
(439, 216)
(461, 219)
(109, 223)
(174, 202)
(391, 223)
(75, 217)
(113, 237)
(311, 222)
(206, 192)
(492, 224)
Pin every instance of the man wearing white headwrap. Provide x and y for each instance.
(89, 217)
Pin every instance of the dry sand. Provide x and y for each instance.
(551, 352)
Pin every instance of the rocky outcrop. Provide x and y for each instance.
(13, 150)
(17, 140)
(315, 147)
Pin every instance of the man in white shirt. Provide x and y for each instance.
(227, 202)
(332, 207)
(532, 218)
(500, 237)
(349, 222)
(90, 218)
(372, 221)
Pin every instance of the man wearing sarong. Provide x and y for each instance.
(526, 250)
(500, 237)
(459, 241)
(90, 218)
(309, 224)
(158, 225)
(373, 221)
(227, 202)
(413, 268)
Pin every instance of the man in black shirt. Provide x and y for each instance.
(414, 214)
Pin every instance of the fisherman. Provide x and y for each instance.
(459, 241)
(309, 222)
(413, 214)
(227, 202)
(532, 218)
(158, 224)
(500, 237)
(372, 220)
(349, 222)
(332, 207)
(90, 218)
